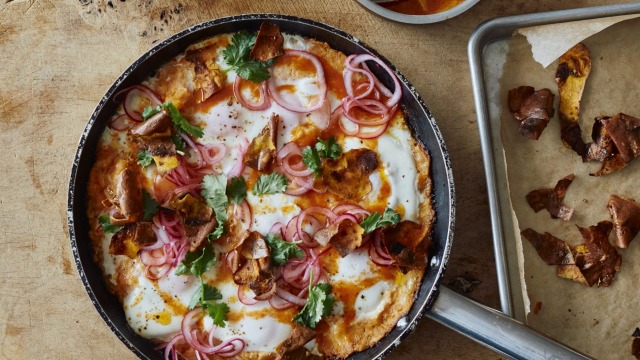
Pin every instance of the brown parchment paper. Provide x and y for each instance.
(598, 321)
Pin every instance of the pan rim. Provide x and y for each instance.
(439, 261)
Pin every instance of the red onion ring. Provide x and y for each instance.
(243, 298)
(377, 131)
(264, 102)
(238, 168)
(195, 149)
(278, 303)
(232, 260)
(289, 297)
(321, 82)
(120, 123)
(212, 153)
(397, 93)
(311, 210)
(131, 94)
(373, 255)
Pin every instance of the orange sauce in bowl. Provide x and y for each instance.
(421, 7)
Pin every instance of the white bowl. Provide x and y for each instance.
(417, 19)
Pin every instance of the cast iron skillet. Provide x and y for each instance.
(476, 321)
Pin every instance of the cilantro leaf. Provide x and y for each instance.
(204, 293)
(319, 304)
(282, 251)
(240, 48)
(149, 204)
(237, 189)
(149, 111)
(197, 262)
(214, 192)
(180, 122)
(144, 158)
(311, 159)
(210, 293)
(179, 143)
(217, 311)
(237, 55)
(376, 220)
(329, 149)
(217, 233)
(106, 225)
(270, 184)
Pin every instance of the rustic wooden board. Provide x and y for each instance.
(57, 59)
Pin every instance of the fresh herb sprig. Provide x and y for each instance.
(377, 220)
(273, 183)
(312, 156)
(197, 263)
(106, 225)
(282, 251)
(238, 56)
(144, 158)
(179, 121)
(149, 205)
(319, 304)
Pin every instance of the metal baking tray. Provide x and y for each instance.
(486, 34)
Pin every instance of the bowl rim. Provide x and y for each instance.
(417, 19)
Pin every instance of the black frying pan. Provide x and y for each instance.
(482, 324)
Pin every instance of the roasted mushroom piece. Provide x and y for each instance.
(344, 236)
(408, 244)
(595, 262)
(128, 200)
(551, 199)
(353, 168)
(625, 214)
(552, 250)
(300, 335)
(532, 108)
(269, 43)
(572, 73)
(254, 266)
(262, 150)
(616, 142)
(131, 238)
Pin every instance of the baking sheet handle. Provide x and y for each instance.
(495, 330)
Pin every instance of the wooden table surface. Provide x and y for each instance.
(58, 58)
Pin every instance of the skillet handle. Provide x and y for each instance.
(495, 330)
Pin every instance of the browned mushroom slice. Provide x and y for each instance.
(532, 108)
(598, 261)
(623, 130)
(407, 243)
(194, 210)
(345, 236)
(269, 43)
(247, 271)
(300, 335)
(158, 123)
(262, 150)
(625, 213)
(128, 198)
(551, 199)
(602, 146)
(131, 238)
(551, 250)
(353, 168)
(572, 73)
(197, 234)
(209, 79)
(254, 247)
(254, 266)
(163, 151)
